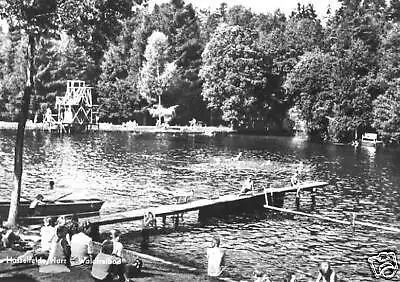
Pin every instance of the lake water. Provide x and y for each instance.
(143, 170)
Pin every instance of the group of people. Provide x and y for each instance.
(248, 184)
(216, 266)
(110, 263)
(69, 244)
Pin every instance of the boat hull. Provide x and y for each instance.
(61, 207)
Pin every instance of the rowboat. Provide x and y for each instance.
(80, 207)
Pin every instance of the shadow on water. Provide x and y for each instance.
(142, 171)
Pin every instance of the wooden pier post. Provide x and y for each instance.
(297, 202)
(176, 223)
(313, 194)
(203, 216)
(278, 199)
(298, 194)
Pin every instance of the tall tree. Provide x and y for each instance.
(156, 73)
(235, 72)
(386, 118)
(45, 18)
(387, 114)
(311, 85)
(12, 75)
(34, 18)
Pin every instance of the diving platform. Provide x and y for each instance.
(75, 110)
(208, 208)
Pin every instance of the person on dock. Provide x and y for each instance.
(82, 245)
(149, 222)
(248, 186)
(51, 185)
(68, 115)
(296, 178)
(326, 273)
(48, 116)
(238, 157)
(215, 259)
(105, 265)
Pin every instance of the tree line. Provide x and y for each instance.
(231, 66)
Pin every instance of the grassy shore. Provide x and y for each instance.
(130, 127)
(155, 270)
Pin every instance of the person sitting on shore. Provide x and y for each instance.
(326, 273)
(290, 277)
(149, 222)
(105, 265)
(355, 143)
(59, 254)
(82, 245)
(117, 245)
(47, 233)
(248, 186)
(73, 225)
(215, 258)
(10, 238)
(62, 221)
(260, 276)
(131, 269)
(193, 122)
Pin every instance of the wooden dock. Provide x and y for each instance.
(216, 207)
(306, 186)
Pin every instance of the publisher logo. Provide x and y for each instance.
(384, 265)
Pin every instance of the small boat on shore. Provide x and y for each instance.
(80, 207)
(370, 139)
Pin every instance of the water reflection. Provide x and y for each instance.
(144, 170)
